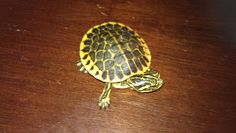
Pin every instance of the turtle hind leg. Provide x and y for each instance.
(104, 100)
(81, 67)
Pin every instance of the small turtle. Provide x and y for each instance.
(116, 55)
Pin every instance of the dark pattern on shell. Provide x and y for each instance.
(97, 73)
(90, 35)
(86, 49)
(128, 54)
(143, 62)
(132, 66)
(138, 64)
(111, 74)
(136, 53)
(95, 30)
(88, 62)
(107, 55)
(109, 64)
(119, 72)
(85, 57)
(92, 55)
(125, 69)
(99, 64)
(88, 42)
(104, 75)
(99, 55)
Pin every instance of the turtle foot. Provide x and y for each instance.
(104, 103)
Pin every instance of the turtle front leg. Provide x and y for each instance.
(104, 100)
(81, 67)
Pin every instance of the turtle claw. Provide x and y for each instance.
(81, 67)
(104, 103)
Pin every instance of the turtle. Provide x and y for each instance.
(116, 55)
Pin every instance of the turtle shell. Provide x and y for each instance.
(113, 52)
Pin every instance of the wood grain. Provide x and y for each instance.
(193, 45)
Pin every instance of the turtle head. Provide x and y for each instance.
(147, 82)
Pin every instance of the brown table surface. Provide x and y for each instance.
(193, 46)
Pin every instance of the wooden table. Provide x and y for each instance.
(193, 45)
